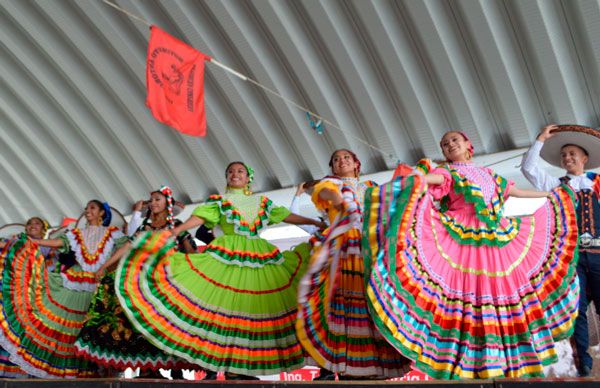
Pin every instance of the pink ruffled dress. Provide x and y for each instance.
(461, 290)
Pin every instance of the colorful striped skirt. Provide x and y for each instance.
(110, 340)
(334, 324)
(222, 310)
(461, 300)
(40, 318)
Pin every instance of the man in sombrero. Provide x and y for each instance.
(576, 149)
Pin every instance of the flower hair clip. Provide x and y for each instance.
(250, 171)
(168, 193)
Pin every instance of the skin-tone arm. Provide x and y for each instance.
(187, 246)
(333, 196)
(300, 190)
(521, 193)
(137, 207)
(52, 243)
(336, 198)
(190, 223)
(437, 179)
(296, 219)
(434, 179)
(116, 256)
(545, 134)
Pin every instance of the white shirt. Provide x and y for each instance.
(134, 223)
(295, 208)
(540, 179)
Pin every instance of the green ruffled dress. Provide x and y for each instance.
(231, 308)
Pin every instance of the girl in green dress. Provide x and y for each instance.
(231, 308)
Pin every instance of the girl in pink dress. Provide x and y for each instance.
(457, 287)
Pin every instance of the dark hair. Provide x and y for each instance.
(97, 202)
(578, 146)
(310, 184)
(356, 160)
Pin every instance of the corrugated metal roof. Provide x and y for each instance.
(397, 74)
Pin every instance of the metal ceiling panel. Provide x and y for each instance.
(394, 74)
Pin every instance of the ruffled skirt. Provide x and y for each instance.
(220, 309)
(40, 318)
(110, 340)
(334, 324)
(464, 308)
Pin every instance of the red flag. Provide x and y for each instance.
(175, 83)
(66, 221)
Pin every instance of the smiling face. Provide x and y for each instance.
(455, 147)
(34, 228)
(237, 176)
(573, 159)
(93, 213)
(343, 164)
(158, 203)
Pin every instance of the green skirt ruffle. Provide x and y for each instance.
(232, 315)
(40, 318)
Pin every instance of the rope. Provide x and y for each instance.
(267, 89)
(128, 13)
(287, 100)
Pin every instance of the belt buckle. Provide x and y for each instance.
(586, 240)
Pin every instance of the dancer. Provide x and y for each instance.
(35, 227)
(43, 311)
(137, 218)
(461, 290)
(575, 148)
(231, 308)
(108, 338)
(334, 325)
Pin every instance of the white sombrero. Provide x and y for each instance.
(584, 137)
